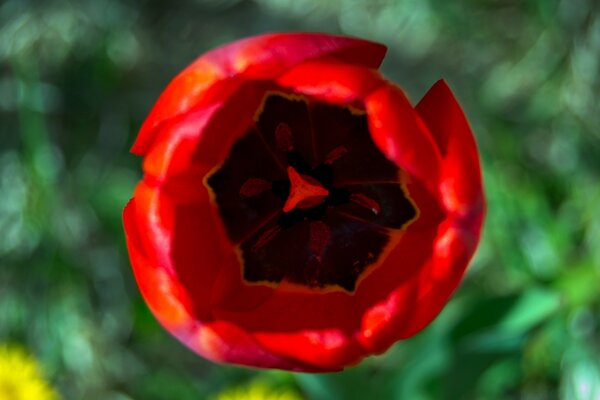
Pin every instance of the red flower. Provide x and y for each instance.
(296, 210)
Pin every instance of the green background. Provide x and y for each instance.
(77, 79)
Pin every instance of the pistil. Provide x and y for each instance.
(305, 191)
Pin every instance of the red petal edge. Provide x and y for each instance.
(260, 57)
(461, 185)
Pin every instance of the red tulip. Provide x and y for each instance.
(296, 211)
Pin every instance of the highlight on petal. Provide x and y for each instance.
(224, 342)
(332, 81)
(325, 349)
(461, 181)
(296, 211)
(161, 291)
(401, 136)
(417, 301)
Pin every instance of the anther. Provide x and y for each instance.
(254, 186)
(265, 238)
(319, 237)
(335, 154)
(366, 202)
(284, 137)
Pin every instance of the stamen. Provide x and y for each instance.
(335, 154)
(320, 234)
(266, 237)
(366, 202)
(284, 137)
(254, 186)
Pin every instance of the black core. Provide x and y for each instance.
(306, 195)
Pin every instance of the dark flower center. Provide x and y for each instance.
(307, 197)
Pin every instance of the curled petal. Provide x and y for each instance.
(192, 143)
(461, 178)
(401, 135)
(175, 145)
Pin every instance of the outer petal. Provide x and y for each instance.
(219, 341)
(223, 341)
(192, 143)
(178, 234)
(161, 290)
(415, 303)
(328, 349)
(176, 142)
(216, 75)
(182, 309)
(165, 222)
(401, 135)
(461, 181)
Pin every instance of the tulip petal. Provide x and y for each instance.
(199, 87)
(402, 264)
(166, 231)
(192, 143)
(401, 135)
(223, 341)
(461, 179)
(321, 326)
(219, 341)
(293, 311)
(161, 290)
(414, 304)
(413, 248)
(176, 142)
(210, 78)
(332, 81)
(329, 349)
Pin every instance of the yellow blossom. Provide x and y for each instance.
(258, 391)
(21, 376)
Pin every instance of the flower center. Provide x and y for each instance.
(306, 196)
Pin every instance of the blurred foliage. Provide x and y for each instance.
(78, 77)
